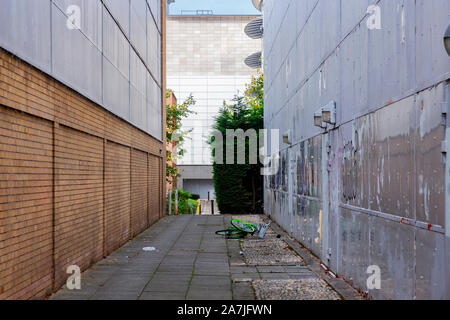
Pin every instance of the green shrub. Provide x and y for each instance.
(239, 187)
(184, 202)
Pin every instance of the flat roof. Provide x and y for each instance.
(213, 15)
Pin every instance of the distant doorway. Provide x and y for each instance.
(204, 188)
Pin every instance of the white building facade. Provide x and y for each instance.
(205, 58)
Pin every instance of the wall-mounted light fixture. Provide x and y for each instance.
(325, 115)
(318, 120)
(329, 113)
(447, 39)
(287, 137)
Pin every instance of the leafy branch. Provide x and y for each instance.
(174, 134)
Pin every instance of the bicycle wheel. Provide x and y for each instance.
(236, 235)
(244, 226)
(231, 233)
(227, 231)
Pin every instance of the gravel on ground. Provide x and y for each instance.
(307, 289)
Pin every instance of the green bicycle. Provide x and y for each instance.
(239, 230)
(244, 226)
(232, 233)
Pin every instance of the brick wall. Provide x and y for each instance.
(76, 182)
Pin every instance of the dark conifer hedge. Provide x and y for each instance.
(239, 187)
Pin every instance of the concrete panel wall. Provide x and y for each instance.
(98, 59)
(370, 190)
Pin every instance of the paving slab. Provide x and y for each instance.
(243, 291)
(192, 263)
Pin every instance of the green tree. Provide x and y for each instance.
(174, 133)
(239, 187)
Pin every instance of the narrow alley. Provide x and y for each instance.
(181, 257)
(225, 150)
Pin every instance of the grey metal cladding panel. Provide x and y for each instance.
(116, 90)
(154, 108)
(281, 208)
(91, 17)
(430, 185)
(25, 30)
(354, 75)
(155, 6)
(354, 141)
(309, 103)
(391, 57)
(76, 60)
(138, 26)
(159, 62)
(352, 12)
(300, 170)
(353, 247)
(115, 46)
(138, 92)
(432, 61)
(321, 88)
(138, 108)
(287, 37)
(326, 36)
(430, 251)
(152, 47)
(392, 249)
(303, 9)
(150, 112)
(284, 163)
(313, 167)
(120, 9)
(391, 153)
(138, 73)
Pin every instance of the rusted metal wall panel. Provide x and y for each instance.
(373, 190)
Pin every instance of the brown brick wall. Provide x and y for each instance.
(78, 200)
(76, 182)
(26, 206)
(117, 196)
(154, 188)
(139, 191)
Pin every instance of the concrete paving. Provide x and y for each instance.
(190, 263)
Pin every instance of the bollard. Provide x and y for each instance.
(176, 202)
(212, 207)
(170, 202)
(198, 207)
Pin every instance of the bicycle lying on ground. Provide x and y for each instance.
(240, 229)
